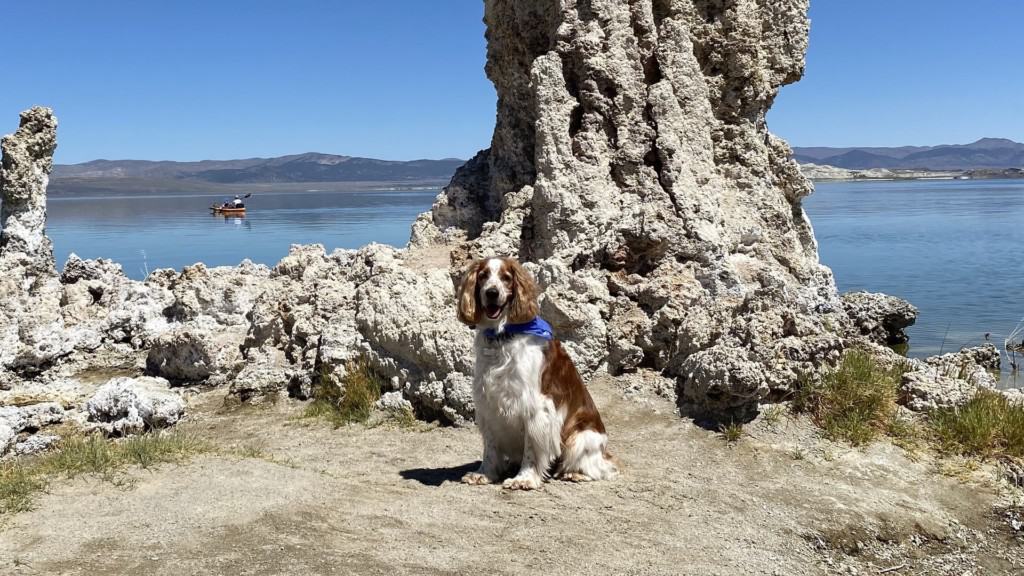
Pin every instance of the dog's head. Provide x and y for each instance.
(495, 291)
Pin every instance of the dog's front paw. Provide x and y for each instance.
(476, 479)
(574, 477)
(522, 483)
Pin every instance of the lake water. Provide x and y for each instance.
(171, 231)
(953, 248)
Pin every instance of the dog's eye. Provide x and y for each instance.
(506, 277)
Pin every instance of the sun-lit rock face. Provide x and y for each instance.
(25, 172)
(31, 328)
(631, 163)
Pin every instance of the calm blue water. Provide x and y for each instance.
(953, 248)
(149, 232)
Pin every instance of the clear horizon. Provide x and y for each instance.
(194, 81)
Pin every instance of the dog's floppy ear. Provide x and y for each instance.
(469, 308)
(524, 307)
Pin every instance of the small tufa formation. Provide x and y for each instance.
(949, 380)
(125, 406)
(24, 175)
(31, 328)
(15, 420)
(880, 318)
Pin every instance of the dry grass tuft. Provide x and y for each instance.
(989, 426)
(856, 402)
(93, 454)
(731, 433)
(349, 402)
(18, 487)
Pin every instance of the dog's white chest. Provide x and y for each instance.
(507, 379)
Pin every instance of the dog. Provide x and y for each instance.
(532, 408)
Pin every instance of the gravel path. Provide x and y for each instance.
(386, 500)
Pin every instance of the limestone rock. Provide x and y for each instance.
(31, 330)
(101, 305)
(631, 163)
(925, 390)
(259, 382)
(1014, 395)
(126, 406)
(448, 399)
(949, 380)
(408, 321)
(8, 437)
(24, 175)
(879, 317)
(35, 444)
(224, 294)
(194, 352)
(986, 357)
(33, 417)
(394, 403)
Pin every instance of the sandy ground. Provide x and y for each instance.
(386, 500)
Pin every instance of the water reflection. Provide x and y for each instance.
(178, 230)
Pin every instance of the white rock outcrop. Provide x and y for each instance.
(880, 318)
(260, 382)
(31, 329)
(194, 352)
(33, 417)
(631, 163)
(394, 403)
(125, 406)
(949, 380)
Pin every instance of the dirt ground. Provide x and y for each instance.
(310, 499)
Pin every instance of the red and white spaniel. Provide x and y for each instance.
(531, 405)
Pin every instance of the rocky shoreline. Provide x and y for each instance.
(93, 347)
(826, 173)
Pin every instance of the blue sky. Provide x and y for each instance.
(190, 79)
(907, 72)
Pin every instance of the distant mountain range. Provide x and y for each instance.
(292, 172)
(985, 153)
(310, 167)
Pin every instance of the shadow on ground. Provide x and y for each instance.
(438, 476)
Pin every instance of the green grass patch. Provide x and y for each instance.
(18, 486)
(731, 433)
(93, 454)
(772, 416)
(856, 402)
(402, 418)
(988, 426)
(351, 400)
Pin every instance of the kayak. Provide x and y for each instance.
(223, 210)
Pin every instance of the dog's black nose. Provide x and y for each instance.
(491, 293)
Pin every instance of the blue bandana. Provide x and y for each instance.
(536, 327)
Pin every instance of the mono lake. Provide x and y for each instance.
(953, 248)
(145, 232)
